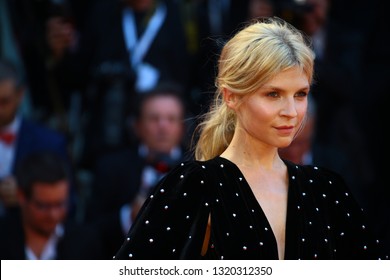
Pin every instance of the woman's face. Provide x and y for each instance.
(273, 115)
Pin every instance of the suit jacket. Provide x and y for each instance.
(111, 233)
(78, 243)
(103, 50)
(33, 137)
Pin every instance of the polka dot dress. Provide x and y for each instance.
(323, 219)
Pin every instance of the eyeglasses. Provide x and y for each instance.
(47, 206)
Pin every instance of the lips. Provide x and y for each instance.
(285, 129)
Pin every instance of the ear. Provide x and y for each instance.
(230, 98)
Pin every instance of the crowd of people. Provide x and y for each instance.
(99, 100)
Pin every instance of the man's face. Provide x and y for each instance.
(161, 123)
(10, 98)
(46, 208)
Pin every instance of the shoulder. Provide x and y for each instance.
(321, 182)
(188, 179)
(191, 169)
(187, 171)
(35, 137)
(314, 174)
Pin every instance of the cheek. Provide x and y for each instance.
(34, 215)
(301, 108)
(263, 113)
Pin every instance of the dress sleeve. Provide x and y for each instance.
(354, 236)
(172, 222)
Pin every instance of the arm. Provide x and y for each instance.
(172, 222)
(353, 233)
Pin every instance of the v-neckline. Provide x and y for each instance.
(253, 197)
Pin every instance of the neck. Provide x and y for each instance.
(35, 240)
(249, 153)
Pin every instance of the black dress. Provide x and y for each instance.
(323, 219)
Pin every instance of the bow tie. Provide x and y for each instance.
(7, 137)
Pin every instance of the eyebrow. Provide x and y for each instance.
(282, 89)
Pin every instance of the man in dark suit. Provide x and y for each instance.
(19, 136)
(41, 229)
(126, 47)
(123, 179)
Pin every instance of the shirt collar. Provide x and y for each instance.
(14, 126)
(49, 251)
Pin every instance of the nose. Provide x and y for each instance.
(163, 121)
(289, 108)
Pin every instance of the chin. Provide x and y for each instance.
(284, 144)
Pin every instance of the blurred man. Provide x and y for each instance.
(124, 178)
(19, 136)
(41, 229)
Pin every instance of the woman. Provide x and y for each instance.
(239, 199)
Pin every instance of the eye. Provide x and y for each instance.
(273, 94)
(301, 94)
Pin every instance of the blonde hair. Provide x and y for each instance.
(248, 60)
